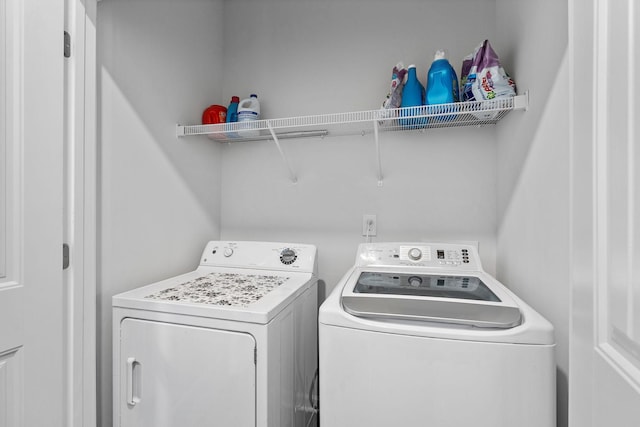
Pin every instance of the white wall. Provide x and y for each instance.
(533, 174)
(159, 64)
(310, 57)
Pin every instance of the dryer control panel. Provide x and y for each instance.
(436, 255)
(261, 255)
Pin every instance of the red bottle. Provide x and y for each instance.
(214, 114)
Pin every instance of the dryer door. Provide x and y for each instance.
(176, 375)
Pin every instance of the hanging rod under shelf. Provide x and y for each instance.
(263, 136)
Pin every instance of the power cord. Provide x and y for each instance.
(369, 225)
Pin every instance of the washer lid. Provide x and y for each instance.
(469, 299)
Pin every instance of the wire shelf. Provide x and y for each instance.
(477, 113)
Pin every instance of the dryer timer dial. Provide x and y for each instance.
(288, 256)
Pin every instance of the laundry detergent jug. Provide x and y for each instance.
(442, 86)
(412, 96)
(248, 115)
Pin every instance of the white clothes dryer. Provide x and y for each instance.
(417, 334)
(231, 344)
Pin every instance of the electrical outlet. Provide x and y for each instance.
(369, 225)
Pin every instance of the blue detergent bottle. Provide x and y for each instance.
(232, 110)
(412, 96)
(442, 86)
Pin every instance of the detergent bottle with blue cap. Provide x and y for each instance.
(248, 116)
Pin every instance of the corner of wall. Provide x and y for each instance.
(533, 169)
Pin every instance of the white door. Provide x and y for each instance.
(604, 377)
(32, 390)
(177, 375)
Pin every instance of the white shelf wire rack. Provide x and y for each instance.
(459, 114)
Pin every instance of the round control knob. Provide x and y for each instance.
(415, 281)
(228, 252)
(415, 254)
(288, 256)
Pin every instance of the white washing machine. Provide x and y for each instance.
(231, 344)
(417, 334)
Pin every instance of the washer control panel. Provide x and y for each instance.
(267, 255)
(442, 255)
(414, 253)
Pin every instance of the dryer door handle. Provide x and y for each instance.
(133, 381)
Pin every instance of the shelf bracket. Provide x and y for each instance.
(376, 137)
(292, 174)
(521, 102)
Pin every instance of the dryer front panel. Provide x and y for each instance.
(176, 375)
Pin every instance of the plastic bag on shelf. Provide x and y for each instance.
(482, 76)
(394, 97)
